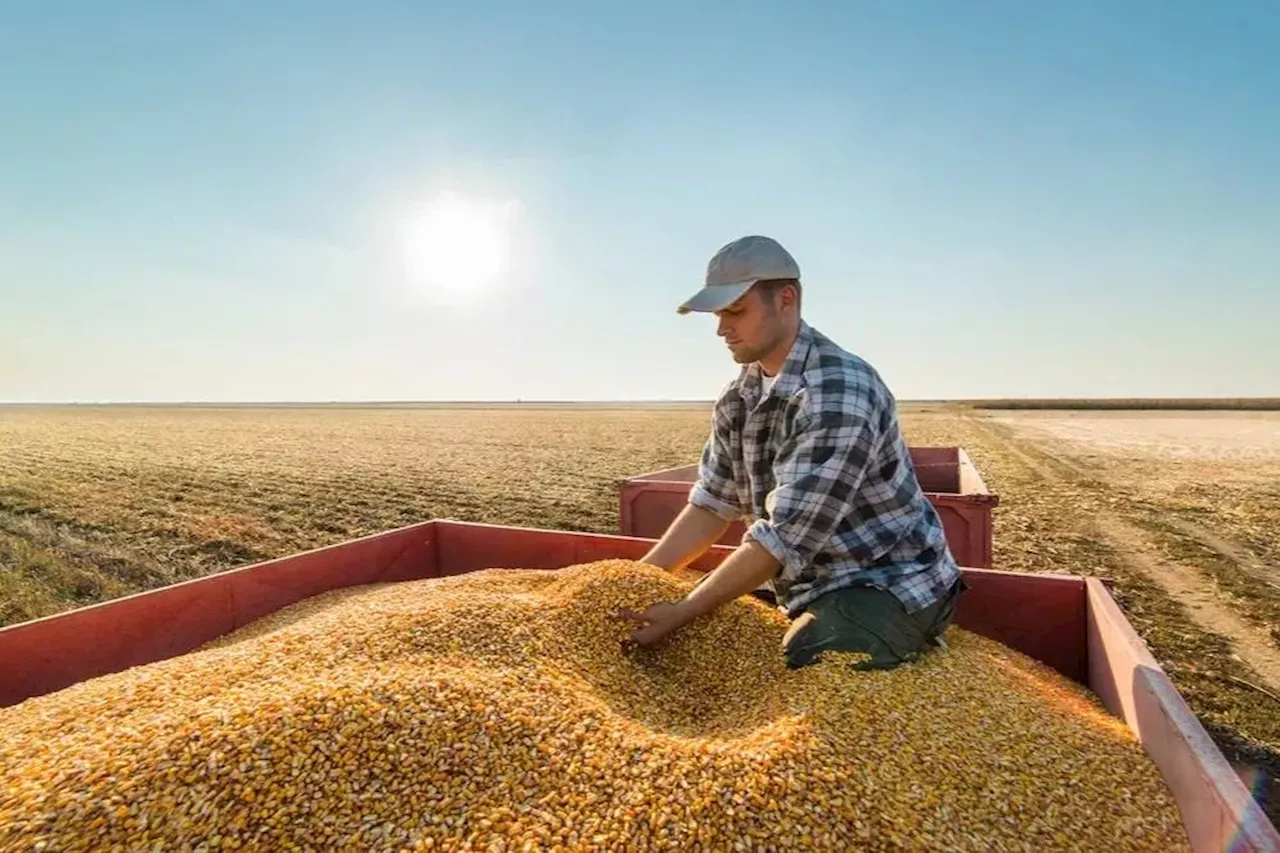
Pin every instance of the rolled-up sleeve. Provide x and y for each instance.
(716, 490)
(818, 473)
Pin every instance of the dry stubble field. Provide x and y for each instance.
(1181, 509)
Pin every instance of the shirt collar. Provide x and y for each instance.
(791, 374)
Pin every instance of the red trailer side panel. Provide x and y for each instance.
(937, 468)
(467, 547)
(1042, 616)
(649, 502)
(1217, 810)
(49, 654)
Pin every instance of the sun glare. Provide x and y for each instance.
(457, 245)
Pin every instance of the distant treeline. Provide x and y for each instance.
(1168, 403)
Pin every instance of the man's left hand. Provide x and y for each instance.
(657, 621)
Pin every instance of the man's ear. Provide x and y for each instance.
(789, 295)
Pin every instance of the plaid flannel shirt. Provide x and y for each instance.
(820, 467)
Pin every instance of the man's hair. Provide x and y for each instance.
(771, 286)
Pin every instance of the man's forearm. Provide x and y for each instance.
(689, 536)
(749, 566)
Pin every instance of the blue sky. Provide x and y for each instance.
(203, 201)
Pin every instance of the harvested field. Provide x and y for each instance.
(1204, 489)
(1181, 510)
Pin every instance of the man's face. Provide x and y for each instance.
(753, 326)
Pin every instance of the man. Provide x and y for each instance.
(806, 442)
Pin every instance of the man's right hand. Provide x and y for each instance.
(657, 621)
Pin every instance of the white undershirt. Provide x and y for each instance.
(766, 382)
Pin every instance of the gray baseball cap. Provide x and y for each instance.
(736, 267)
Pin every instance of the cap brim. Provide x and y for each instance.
(714, 297)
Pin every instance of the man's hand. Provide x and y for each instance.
(657, 621)
(746, 568)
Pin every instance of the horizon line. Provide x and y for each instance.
(623, 402)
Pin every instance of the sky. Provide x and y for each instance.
(215, 201)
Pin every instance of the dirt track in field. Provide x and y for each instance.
(1192, 586)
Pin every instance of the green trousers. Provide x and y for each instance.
(865, 619)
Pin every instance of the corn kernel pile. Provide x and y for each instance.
(497, 711)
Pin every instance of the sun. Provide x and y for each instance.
(458, 245)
